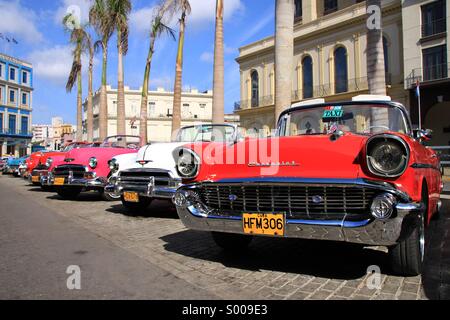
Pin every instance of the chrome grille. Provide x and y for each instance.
(142, 177)
(298, 201)
(78, 171)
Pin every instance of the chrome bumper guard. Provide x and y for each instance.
(70, 181)
(147, 184)
(197, 216)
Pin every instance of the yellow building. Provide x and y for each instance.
(329, 59)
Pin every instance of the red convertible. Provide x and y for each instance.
(352, 171)
(88, 168)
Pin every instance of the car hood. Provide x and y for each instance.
(301, 156)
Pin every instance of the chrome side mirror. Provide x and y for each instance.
(424, 135)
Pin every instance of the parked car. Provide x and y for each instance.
(351, 171)
(150, 174)
(3, 163)
(32, 162)
(87, 168)
(12, 165)
(49, 160)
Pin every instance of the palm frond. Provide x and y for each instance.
(76, 69)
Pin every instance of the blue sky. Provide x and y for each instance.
(42, 41)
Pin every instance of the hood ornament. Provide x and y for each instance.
(273, 164)
(69, 159)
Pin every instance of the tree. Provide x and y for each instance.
(157, 29)
(284, 54)
(119, 11)
(78, 37)
(218, 82)
(90, 110)
(99, 18)
(185, 8)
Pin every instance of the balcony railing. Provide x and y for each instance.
(428, 73)
(434, 27)
(319, 91)
(12, 132)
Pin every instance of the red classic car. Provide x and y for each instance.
(351, 171)
(49, 160)
(88, 168)
(31, 163)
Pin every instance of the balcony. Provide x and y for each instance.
(319, 91)
(428, 73)
(16, 133)
(434, 27)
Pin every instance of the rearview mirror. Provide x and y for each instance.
(424, 134)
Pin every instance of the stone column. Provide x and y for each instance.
(309, 11)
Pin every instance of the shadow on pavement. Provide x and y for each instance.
(82, 197)
(158, 209)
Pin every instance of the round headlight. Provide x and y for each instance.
(49, 162)
(93, 162)
(113, 165)
(188, 164)
(387, 157)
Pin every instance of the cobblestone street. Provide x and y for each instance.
(270, 269)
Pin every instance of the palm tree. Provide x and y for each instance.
(119, 11)
(158, 28)
(376, 77)
(90, 110)
(185, 8)
(101, 21)
(218, 83)
(284, 54)
(78, 37)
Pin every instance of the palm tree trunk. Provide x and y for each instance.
(103, 109)
(121, 130)
(284, 54)
(176, 113)
(376, 77)
(145, 88)
(90, 111)
(79, 109)
(375, 57)
(218, 83)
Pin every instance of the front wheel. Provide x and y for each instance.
(408, 255)
(109, 196)
(231, 241)
(68, 193)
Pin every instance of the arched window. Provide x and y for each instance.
(307, 70)
(386, 55)
(298, 9)
(255, 88)
(340, 70)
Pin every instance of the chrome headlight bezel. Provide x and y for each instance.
(93, 162)
(375, 144)
(113, 165)
(48, 162)
(187, 163)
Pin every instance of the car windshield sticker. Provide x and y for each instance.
(333, 112)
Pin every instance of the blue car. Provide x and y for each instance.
(12, 165)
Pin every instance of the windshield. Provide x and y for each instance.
(355, 118)
(206, 133)
(129, 142)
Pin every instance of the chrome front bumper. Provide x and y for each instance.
(150, 190)
(94, 183)
(42, 174)
(368, 231)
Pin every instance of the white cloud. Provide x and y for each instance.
(80, 6)
(207, 57)
(268, 17)
(140, 20)
(54, 64)
(19, 21)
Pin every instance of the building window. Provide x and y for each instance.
(435, 63)
(24, 77)
(12, 124)
(151, 108)
(1, 122)
(24, 125)
(203, 105)
(12, 96)
(307, 70)
(433, 18)
(12, 74)
(1, 94)
(24, 98)
(340, 70)
(255, 88)
(329, 6)
(386, 55)
(1, 70)
(298, 9)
